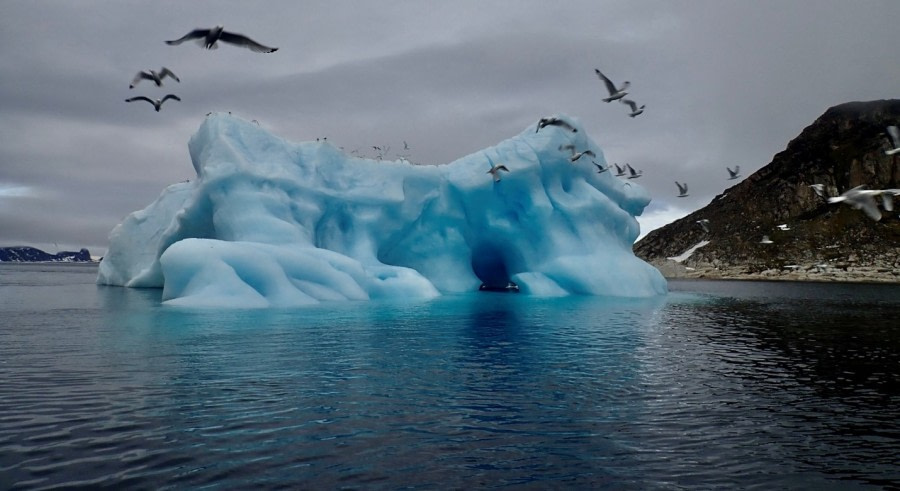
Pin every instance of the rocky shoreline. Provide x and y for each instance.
(847, 273)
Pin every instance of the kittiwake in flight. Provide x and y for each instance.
(209, 38)
(157, 77)
(157, 103)
(614, 93)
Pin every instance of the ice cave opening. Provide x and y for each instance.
(490, 265)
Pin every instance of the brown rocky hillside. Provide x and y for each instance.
(842, 149)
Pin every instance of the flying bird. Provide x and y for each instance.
(600, 168)
(157, 103)
(157, 77)
(682, 189)
(495, 171)
(864, 199)
(614, 93)
(634, 173)
(894, 135)
(819, 189)
(704, 224)
(783, 227)
(209, 38)
(635, 110)
(620, 171)
(734, 174)
(576, 155)
(555, 122)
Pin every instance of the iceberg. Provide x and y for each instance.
(268, 223)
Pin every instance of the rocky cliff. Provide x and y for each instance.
(842, 149)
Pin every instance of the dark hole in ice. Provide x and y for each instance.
(489, 265)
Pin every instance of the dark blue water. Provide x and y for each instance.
(719, 385)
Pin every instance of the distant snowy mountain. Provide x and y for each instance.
(25, 254)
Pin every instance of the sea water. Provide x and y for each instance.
(719, 384)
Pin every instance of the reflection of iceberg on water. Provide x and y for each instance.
(273, 223)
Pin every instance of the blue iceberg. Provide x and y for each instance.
(268, 222)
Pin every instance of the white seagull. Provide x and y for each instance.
(495, 171)
(157, 77)
(704, 224)
(635, 110)
(634, 173)
(555, 122)
(209, 38)
(157, 103)
(620, 171)
(682, 189)
(576, 155)
(783, 227)
(614, 93)
(894, 135)
(734, 174)
(819, 189)
(864, 199)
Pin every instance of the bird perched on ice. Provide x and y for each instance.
(495, 171)
(600, 168)
(576, 155)
(682, 189)
(734, 174)
(209, 38)
(620, 171)
(864, 199)
(704, 224)
(766, 240)
(157, 103)
(614, 93)
(157, 77)
(635, 110)
(555, 122)
(894, 135)
(634, 173)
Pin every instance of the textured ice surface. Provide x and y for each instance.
(268, 222)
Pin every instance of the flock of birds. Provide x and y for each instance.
(858, 197)
(615, 94)
(206, 38)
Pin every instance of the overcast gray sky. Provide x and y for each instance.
(725, 83)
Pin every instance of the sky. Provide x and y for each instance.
(724, 82)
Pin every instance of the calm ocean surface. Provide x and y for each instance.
(718, 385)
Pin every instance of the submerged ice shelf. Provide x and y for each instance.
(273, 223)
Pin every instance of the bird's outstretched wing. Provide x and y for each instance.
(609, 85)
(569, 147)
(165, 72)
(632, 104)
(894, 133)
(195, 34)
(241, 40)
(589, 152)
(170, 96)
(140, 76)
(600, 168)
(141, 98)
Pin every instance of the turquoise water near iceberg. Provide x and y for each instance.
(719, 384)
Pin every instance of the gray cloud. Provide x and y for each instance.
(725, 83)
